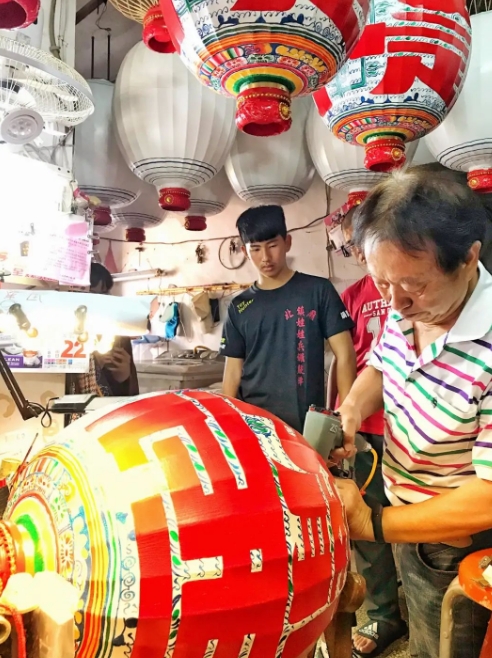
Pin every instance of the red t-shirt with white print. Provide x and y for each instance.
(368, 311)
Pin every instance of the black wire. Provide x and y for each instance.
(222, 238)
(229, 267)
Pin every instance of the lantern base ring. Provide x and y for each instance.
(385, 154)
(480, 180)
(175, 199)
(155, 33)
(195, 223)
(264, 111)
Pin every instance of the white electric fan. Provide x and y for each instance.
(37, 88)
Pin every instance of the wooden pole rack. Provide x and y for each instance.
(180, 290)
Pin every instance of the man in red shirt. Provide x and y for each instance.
(374, 561)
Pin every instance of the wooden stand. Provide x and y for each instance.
(338, 635)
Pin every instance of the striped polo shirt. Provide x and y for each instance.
(438, 406)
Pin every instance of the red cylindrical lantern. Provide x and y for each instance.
(402, 78)
(193, 525)
(195, 223)
(155, 34)
(18, 13)
(135, 235)
(265, 52)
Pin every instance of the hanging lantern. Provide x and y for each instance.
(18, 13)
(464, 140)
(155, 35)
(402, 78)
(192, 524)
(276, 170)
(101, 172)
(173, 132)
(143, 214)
(207, 200)
(264, 52)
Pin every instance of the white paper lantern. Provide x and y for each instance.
(464, 139)
(99, 167)
(207, 200)
(174, 132)
(143, 214)
(273, 170)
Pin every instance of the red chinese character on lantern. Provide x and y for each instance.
(312, 315)
(300, 334)
(300, 346)
(300, 369)
(300, 310)
(405, 41)
(301, 358)
(300, 381)
(301, 322)
(288, 314)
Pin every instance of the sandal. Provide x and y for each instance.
(383, 634)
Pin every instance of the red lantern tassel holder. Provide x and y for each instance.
(18, 13)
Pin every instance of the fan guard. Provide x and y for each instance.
(32, 79)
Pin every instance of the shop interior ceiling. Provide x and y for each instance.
(124, 35)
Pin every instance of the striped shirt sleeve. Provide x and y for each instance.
(482, 449)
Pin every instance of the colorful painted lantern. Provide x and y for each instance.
(173, 132)
(206, 201)
(464, 140)
(18, 13)
(263, 52)
(277, 169)
(155, 34)
(402, 78)
(193, 525)
(101, 172)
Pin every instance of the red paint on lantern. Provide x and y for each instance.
(18, 13)
(195, 223)
(263, 111)
(175, 199)
(155, 33)
(395, 95)
(480, 180)
(102, 216)
(135, 235)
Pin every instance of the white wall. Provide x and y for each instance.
(308, 255)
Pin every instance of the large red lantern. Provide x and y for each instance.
(18, 13)
(263, 52)
(193, 525)
(402, 78)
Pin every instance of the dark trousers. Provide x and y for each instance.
(375, 562)
(427, 570)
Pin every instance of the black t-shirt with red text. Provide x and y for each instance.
(281, 336)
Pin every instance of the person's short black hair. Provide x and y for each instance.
(261, 224)
(416, 211)
(99, 274)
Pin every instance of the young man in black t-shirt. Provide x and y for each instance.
(275, 332)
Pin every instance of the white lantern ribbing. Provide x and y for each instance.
(273, 170)
(174, 132)
(206, 201)
(99, 167)
(464, 139)
(143, 214)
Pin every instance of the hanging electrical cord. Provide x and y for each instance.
(314, 222)
(230, 267)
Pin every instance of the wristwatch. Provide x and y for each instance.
(377, 524)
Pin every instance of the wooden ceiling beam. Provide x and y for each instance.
(88, 9)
